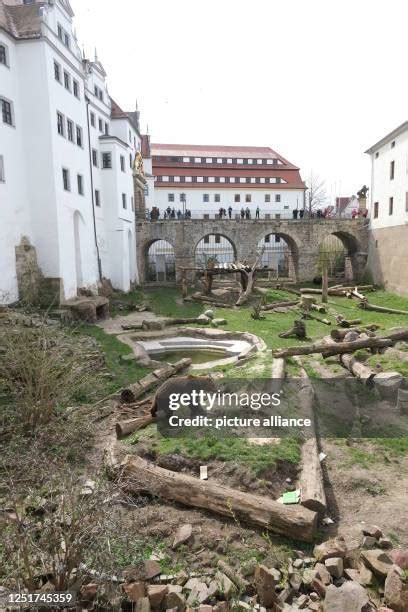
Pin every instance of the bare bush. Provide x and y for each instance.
(40, 369)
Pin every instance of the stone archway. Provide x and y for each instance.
(160, 262)
(214, 247)
(342, 253)
(280, 256)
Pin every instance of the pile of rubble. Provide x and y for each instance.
(337, 578)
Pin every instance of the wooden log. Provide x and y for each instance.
(366, 306)
(274, 305)
(339, 334)
(319, 307)
(289, 290)
(278, 369)
(131, 393)
(325, 283)
(335, 349)
(345, 323)
(307, 315)
(358, 369)
(294, 521)
(311, 476)
(124, 428)
(338, 291)
(248, 280)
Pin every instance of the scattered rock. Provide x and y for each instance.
(385, 543)
(295, 580)
(298, 563)
(335, 547)
(152, 569)
(362, 575)
(156, 594)
(322, 572)
(135, 590)
(378, 561)
(88, 591)
(198, 594)
(396, 590)
(175, 600)
(373, 531)
(350, 597)
(400, 558)
(334, 566)
(217, 322)
(183, 535)
(225, 585)
(209, 314)
(265, 580)
(143, 605)
(203, 319)
(369, 542)
(302, 601)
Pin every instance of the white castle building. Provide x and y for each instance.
(71, 161)
(388, 250)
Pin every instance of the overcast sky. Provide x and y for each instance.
(319, 81)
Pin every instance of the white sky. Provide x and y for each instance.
(319, 81)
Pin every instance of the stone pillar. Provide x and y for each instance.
(308, 265)
(362, 204)
(348, 269)
(358, 263)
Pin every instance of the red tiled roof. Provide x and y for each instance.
(21, 21)
(188, 150)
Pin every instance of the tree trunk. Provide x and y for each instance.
(250, 280)
(124, 428)
(343, 347)
(325, 284)
(367, 306)
(358, 369)
(293, 521)
(131, 393)
(311, 477)
(279, 305)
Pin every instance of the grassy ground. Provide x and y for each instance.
(258, 458)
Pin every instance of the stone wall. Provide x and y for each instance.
(303, 237)
(388, 258)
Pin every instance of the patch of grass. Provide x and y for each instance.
(123, 303)
(389, 363)
(238, 450)
(122, 373)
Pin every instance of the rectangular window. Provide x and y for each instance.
(122, 163)
(79, 136)
(57, 72)
(124, 201)
(217, 197)
(132, 199)
(237, 197)
(97, 198)
(277, 238)
(6, 112)
(65, 179)
(70, 130)
(206, 197)
(391, 206)
(67, 81)
(268, 238)
(248, 197)
(106, 128)
(106, 160)
(93, 119)
(67, 41)
(376, 210)
(2, 174)
(217, 239)
(80, 182)
(197, 160)
(75, 86)
(100, 125)
(208, 160)
(60, 124)
(392, 170)
(130, 161)
(3, 55)
(60, 35)
(94, 158)
(267, 198)
(277, 197)
(393, 144)
(170, 197)
(206, 239)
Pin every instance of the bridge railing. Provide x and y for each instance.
(272, 216)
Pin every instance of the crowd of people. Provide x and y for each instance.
(245, 213)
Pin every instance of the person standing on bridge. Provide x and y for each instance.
(230, 212)
(257, 213)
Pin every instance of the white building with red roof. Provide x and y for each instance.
(206, 178)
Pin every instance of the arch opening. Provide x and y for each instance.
(160, 262)
(279, 259)
(336, 251)
(214, 249)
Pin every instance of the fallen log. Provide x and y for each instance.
(131, 393)
(358, 369)
(335, 349)
(274, 305)
(124, 428)
(339, 334)
(366, 306)
(339, 291)
(289, 290)
(212, 303)
(278, 369)
(294, 521)
(340, 320)
(307, 315)
(312, 494)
